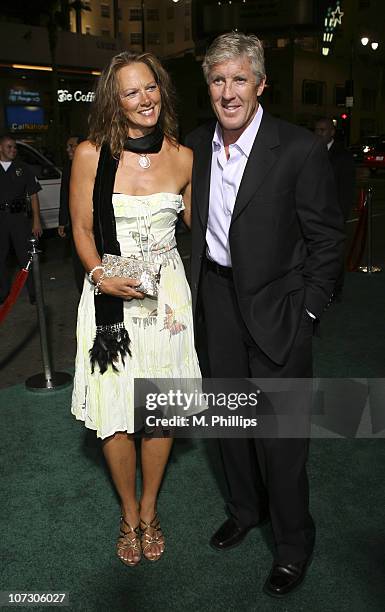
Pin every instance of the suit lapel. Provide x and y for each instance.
(263, 156)
(202, 172)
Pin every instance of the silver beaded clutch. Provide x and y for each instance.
(146, 272)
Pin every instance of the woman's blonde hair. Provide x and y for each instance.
(107, 121)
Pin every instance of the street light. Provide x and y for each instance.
(349, 100)
(365, 40)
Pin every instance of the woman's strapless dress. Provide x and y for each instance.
(161, 330)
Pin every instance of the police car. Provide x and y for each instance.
(49, 177)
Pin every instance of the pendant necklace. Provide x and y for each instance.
(144, 161)
(144, 145)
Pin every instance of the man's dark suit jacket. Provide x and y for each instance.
(286, 235)
(344, 173)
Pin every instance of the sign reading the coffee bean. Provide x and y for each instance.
(64, 95)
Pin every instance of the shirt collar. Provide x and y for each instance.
(246, 139)
(329, 144)
(5, 165)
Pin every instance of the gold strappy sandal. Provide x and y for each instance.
(151, 533)
(128, 539)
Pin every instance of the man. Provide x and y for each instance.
(18, 199)
(344, 173)
(64, 214)
(266, 238)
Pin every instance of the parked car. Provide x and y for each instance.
(375, 159)
(359, 150)
(49, 177)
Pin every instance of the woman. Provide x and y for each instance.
(127, 183)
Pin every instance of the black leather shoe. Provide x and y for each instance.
(229, 535)
(283, 579)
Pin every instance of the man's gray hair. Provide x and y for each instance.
(233, 45)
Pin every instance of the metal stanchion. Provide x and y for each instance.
(47, 380)
(369, 268)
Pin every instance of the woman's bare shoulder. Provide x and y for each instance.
(186, 153)
(86, 157)
(87, 150)
(183, 155)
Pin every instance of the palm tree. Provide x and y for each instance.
(54, 15)
(78, 7)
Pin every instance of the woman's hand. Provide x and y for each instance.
(121, 287)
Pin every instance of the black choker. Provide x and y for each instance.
(151, 143)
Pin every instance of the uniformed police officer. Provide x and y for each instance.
(18, 197)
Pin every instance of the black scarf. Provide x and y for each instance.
(112, 339)
(151, 143)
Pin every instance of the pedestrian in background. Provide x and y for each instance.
(19, 212)
(64, 228)
(345, 177)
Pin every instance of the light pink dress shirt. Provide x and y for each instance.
(226, 176)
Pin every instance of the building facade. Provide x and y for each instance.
(28, 93)
(161, 26)
(303, 82)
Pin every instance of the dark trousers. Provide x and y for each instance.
(265, 474)
(340, 280)
(15, 230)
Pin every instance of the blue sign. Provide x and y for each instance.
(23, 96)
(25, 118)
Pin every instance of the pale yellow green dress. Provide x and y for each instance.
(161, 330)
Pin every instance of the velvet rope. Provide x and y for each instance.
(359, 240)
(17, 286)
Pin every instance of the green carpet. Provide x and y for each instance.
(352, 339)
(60, 513)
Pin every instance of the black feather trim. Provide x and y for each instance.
(111, 342)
